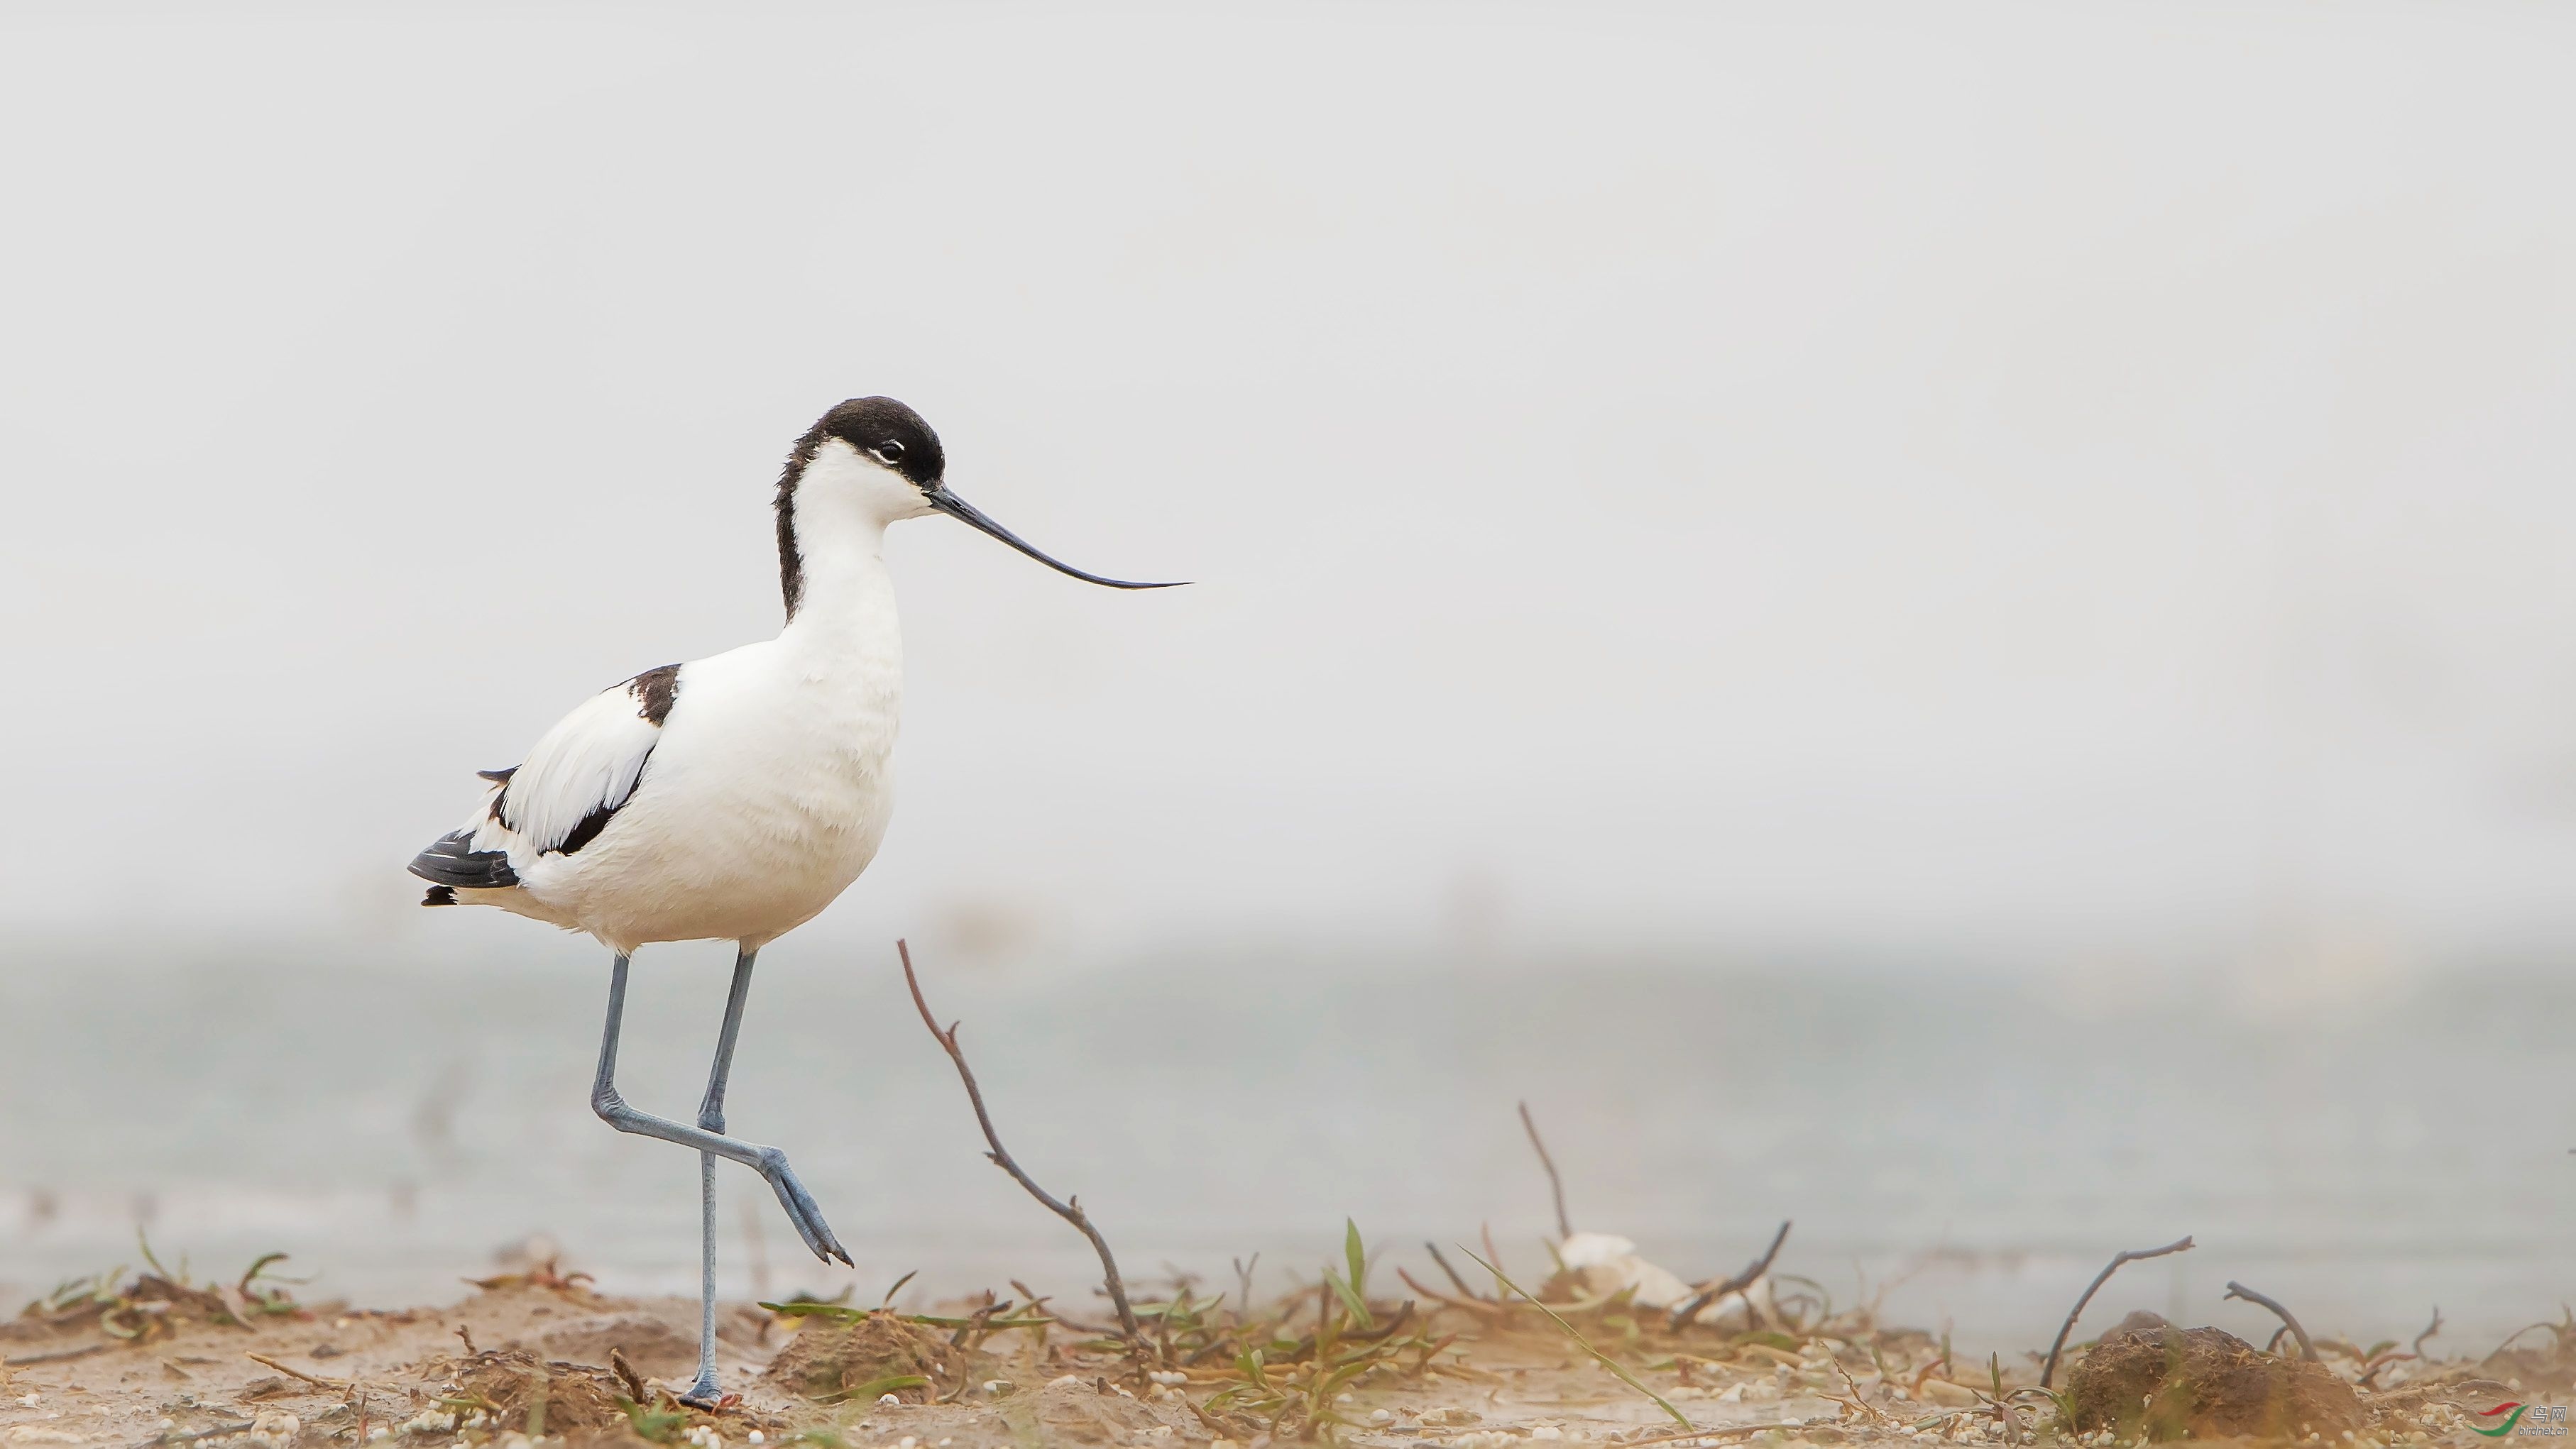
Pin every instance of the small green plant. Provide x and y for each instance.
(1288, 1379)
(658, 1425)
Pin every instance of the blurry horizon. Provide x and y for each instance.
(2015, 482)
(1972, 1149)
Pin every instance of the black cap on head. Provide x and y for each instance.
(888, 431)
(895, 436)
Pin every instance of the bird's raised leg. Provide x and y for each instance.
(769, 1162)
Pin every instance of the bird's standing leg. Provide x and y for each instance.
(711, 1117)
(769, 1162)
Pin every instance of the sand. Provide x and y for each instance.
(152, 1361)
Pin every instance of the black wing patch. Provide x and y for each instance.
(452, 861)
(589, 828)
(654, 691)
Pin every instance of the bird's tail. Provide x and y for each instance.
(452, 863)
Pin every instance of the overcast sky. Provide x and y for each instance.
(2052, 477)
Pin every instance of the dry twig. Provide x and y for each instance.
(1737, 1284)
(60, 1355)
(296, 1373)
(2558, 1333)
(1555, 1184)
(1481, 1307)
(2429, 1330)
(1071, 1209)
(2048, 1373)
(2307, 1350)
(1860, 1404)
(1463, 1289)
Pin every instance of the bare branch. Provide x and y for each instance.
(60, 1355)
(1737, 1284)
(1463, 1289)
(1555, 1184)
(2307, 1350)
(1470, 1304)
(2048, 1373)
(2430, 1329)
(1070, 1210)
(291, 1371)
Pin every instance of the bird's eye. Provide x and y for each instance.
(888, 452)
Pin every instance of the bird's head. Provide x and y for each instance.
(888, 460)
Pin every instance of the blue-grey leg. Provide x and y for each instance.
(711, 1117)
(710, 1142)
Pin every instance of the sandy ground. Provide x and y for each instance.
(155, 1362)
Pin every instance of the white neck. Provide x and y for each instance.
(845, 596)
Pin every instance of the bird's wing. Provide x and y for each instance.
(581, 772)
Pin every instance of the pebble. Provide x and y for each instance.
(1168, 1377)
(885, 1401)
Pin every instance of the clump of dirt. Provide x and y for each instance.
(827, 1358)
(2204, 1383)
(2548, 1370)
(651, 1343)
(151, 1306)
(515, 1388)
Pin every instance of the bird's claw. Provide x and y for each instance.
(807, 1218)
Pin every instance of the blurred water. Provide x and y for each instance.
(1984, 1139)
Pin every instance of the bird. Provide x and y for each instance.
(733, 797)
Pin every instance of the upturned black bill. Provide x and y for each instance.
(965, 512)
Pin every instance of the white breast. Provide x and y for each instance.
(766, 797)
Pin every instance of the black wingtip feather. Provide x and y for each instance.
(452, 861)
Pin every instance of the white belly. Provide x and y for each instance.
(767, 795)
